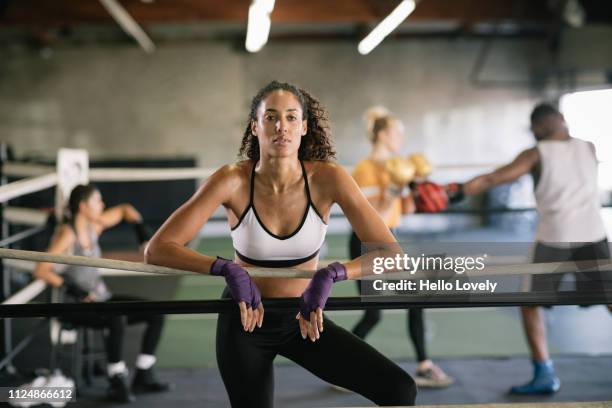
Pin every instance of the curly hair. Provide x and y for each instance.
(315, 145)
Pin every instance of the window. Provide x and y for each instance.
(589, 116)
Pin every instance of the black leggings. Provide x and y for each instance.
(371, 317)
(116, 328)
(416, 330)
(245, 361)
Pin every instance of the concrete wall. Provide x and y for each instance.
(192, 98)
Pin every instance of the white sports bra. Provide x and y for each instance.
(256, 245)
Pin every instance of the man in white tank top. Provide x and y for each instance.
(570, 225)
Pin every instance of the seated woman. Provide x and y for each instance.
(278, 202)
(79, 236)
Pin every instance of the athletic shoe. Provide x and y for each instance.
(59, 380)
(55, 380)
(432, 377)
(145, 381)
(39, 381)
(119, 391)
(544, 380)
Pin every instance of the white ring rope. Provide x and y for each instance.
(498, 270)
(108, 174)
(27, 260)
(29, 266)
(148, 174)
(136, 266)
(24, 169)
(25, 216)
(19, 169)
(19, 265)
(27, 293)
(27, 186)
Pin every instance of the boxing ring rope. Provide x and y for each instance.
(114, 174)
(147, 174)
(445, 301)
(19, 169)
(27, 293)
(186, 173)
(166, 174)
(22, 235)
(12, 309)
(604, 265)
(25, 169)
(27, 186)
(25, 216)
(30, 266)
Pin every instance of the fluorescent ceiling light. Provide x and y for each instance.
(128, 24)
(258, 27)
(386, 26)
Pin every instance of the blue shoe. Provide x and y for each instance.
(544, 380)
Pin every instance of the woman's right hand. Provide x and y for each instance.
(243, 291)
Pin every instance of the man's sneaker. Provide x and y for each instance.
(432, 377)
(119, 391)
(145, 381)
(544, 381)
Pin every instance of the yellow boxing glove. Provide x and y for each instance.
(401, 171)
(421, 165)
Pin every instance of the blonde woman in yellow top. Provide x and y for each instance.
(377, 180)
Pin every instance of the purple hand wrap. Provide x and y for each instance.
(319, 288)
(238, 282)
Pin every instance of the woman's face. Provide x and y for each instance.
(279, 125)
(93, 207)
(393, 136)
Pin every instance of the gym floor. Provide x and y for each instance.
(479, 380)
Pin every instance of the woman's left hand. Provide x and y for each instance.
(311, 328)
(314, 298)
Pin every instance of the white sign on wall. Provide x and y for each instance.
(72, 170)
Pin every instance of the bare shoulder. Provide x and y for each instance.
(331, 179)
(63, 238)
(325, 171)
(230, 176)
(64, 231)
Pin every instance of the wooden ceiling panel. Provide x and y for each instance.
(43, 13)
